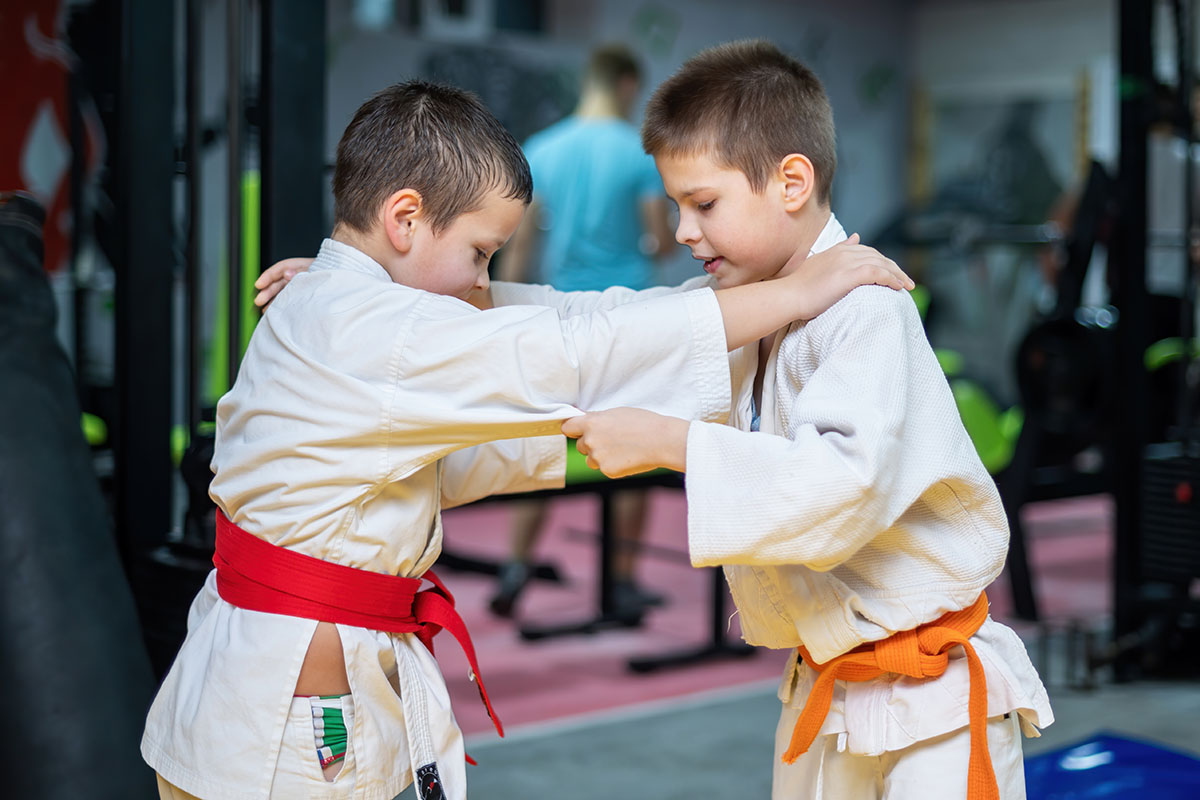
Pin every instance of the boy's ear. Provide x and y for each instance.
(799, 180)
(400, 217)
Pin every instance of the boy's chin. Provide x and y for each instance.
(739, 278)
(728, 278)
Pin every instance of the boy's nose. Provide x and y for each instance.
(686, 233)
(483, 282)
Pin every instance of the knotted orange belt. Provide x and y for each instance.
(256, 575)
(919, 653)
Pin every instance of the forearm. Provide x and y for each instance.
(756, 310)
(810, 286)
(570, 304)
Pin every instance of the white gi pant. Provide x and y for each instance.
(934, 767)
(298, 772)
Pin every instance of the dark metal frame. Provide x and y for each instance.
(145, 252)
(292, 143)
(144, 171)
(191, 161)
(1185, 16)
(1130, 433)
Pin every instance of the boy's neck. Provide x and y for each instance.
(811, 221)
(374, 244)
(597, 104)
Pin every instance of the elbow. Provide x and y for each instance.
(828, 563)
(840, 548)
(836, 539)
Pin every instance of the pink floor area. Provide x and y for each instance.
(536, 682)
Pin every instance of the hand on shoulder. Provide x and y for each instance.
(828, 276)
(275, 277)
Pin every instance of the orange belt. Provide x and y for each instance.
(919, 653)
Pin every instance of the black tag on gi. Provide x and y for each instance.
(429, 783)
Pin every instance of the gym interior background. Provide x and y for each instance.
(1029, 162)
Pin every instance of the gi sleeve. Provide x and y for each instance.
(463, 378)
(853, 459)
(504, 467)
(570, 304)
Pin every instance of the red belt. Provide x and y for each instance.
(258, 576)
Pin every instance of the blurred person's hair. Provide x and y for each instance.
(746, 105)
(611, 63)
(435, 139)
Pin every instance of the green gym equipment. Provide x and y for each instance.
(993, 431)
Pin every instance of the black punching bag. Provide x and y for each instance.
(74, 674)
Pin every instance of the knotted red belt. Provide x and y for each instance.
(258, 576)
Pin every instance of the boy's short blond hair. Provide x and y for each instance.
(747, 105)
(437, 139)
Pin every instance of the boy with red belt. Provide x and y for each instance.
(308, 670)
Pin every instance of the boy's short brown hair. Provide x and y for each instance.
(747, 105)
(438, 140)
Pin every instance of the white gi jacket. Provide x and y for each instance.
(341, 439)
(858, 510)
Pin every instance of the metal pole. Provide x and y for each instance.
(1128, 260)
(80, 221)
(191, 146)
(292, 141)
(233, 41)
(144, 169)
(1185, 20)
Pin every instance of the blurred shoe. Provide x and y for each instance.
(632, 593)
(512, 579)
(630, 601)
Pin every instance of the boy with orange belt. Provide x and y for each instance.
(371, 396)
(855, 522)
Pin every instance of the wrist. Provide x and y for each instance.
(673, 444)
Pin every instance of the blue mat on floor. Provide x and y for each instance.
(1108, 766)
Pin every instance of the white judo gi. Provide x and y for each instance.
(342, 438)
(858, 510)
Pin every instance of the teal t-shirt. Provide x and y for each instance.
(590, 177)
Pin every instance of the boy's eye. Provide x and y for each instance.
(480, 255)
(706, 206)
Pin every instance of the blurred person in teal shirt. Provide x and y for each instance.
(598, 219)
